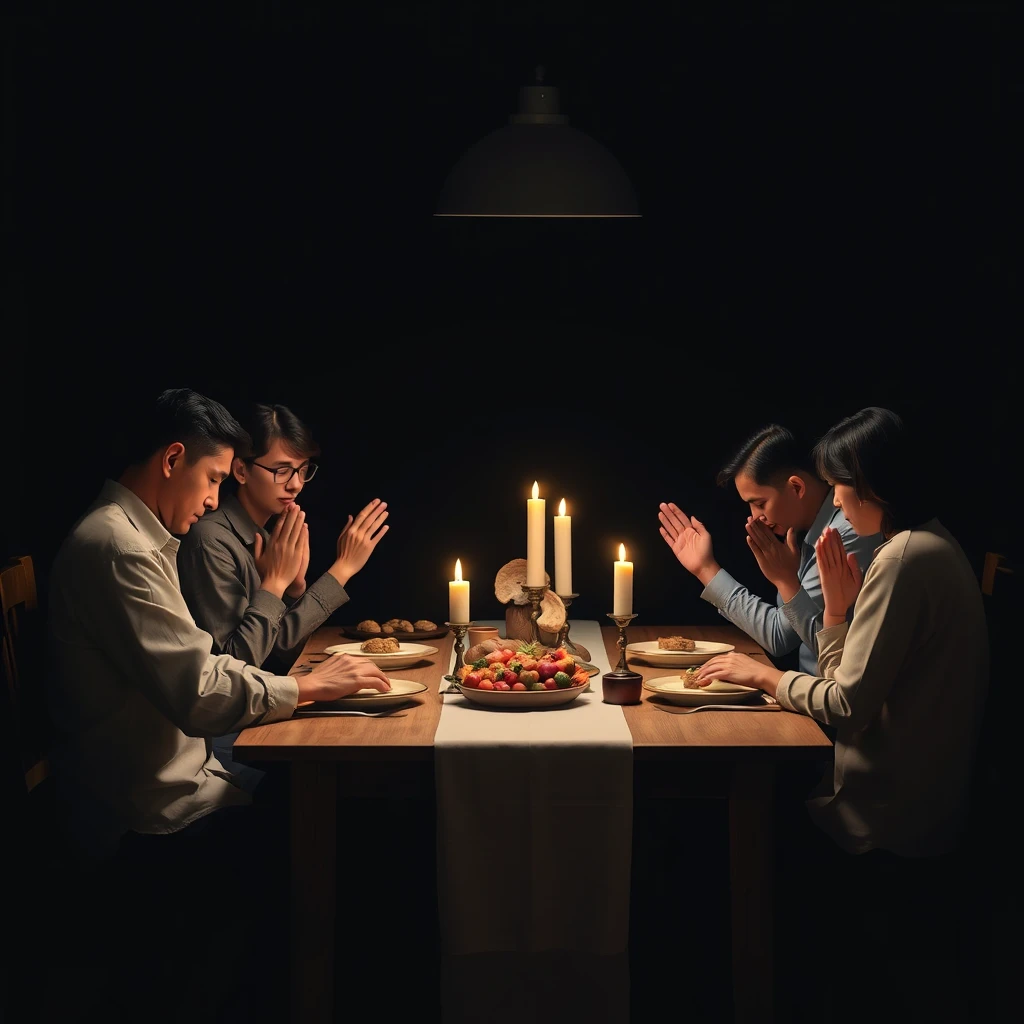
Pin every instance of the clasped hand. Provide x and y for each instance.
(840, 574)
(779, 560)
(282, 564)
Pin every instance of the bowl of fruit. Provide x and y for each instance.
(519, 674)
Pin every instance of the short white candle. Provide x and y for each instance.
(535, 539)
(458, 596)
(622, 594)
(563, 551)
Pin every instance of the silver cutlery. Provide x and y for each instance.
(676, 710)
(397, 712)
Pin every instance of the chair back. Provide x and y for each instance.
(21, 635)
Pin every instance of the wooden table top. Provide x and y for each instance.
(410, 736)
(782, 736)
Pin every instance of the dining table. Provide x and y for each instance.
(728, 756)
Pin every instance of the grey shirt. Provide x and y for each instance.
(786, 625)
(905, 685)
(221, 586)
(136, 693)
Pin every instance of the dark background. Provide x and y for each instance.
(238, 197)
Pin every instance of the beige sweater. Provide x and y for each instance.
(904, 685)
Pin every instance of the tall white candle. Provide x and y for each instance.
(535, 539)
(458, 596)
(622, 594)
(563, 551)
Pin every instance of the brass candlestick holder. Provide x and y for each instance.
(535, 595)
(459, 629)
(621, 686)
(563, 633)
(622, 621)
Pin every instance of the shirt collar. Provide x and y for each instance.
(825, 517)
(239, 520)
(139, 514)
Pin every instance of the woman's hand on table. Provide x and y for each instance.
(740, 669)
(340, 676)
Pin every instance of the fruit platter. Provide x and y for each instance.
(517, 673)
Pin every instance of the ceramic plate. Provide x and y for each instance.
(365, 700)
(671, 688)
(416, 634)
(406, 655)
(513, 700)
(647, 650)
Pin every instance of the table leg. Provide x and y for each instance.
(751, 860)
(313, 823)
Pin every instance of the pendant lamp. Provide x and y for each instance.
(537, 165)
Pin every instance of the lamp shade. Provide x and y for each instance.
(537, 166)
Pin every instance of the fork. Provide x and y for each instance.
(721, 707)
(356, 714)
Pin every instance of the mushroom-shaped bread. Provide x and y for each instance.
(508, 584)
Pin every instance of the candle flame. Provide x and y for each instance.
(622, 552)
(458, 570)
(561, 507)
(536, 489)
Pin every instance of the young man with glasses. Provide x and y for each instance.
(245, 585)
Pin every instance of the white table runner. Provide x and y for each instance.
(534, 819)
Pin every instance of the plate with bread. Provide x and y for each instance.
(683, 689)
(676, 651)
(386, 652)
(400, 629)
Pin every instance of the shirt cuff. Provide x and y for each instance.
(328, 593)
(799, 609)
(268, 604)
(719, 587)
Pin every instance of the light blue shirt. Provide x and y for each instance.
(782, 627)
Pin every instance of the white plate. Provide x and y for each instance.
(366, 700)
(513, 700)
(648, 650)
(406, 655)
(672, 689)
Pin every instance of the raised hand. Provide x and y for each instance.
(779, 560)
(358, 539)
(297, 587)
(339, 676)
(689, 540)
(279, 563)
(840, 574)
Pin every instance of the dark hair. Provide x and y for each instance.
(771, 454)
(269, 423)
(201, 424)
(873, 452)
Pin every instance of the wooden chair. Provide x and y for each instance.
(28, 732)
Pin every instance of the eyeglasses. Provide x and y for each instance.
(282, 474)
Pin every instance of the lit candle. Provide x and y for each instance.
(535, 539)
(563, 551)
(458, 596)
(622, 595)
